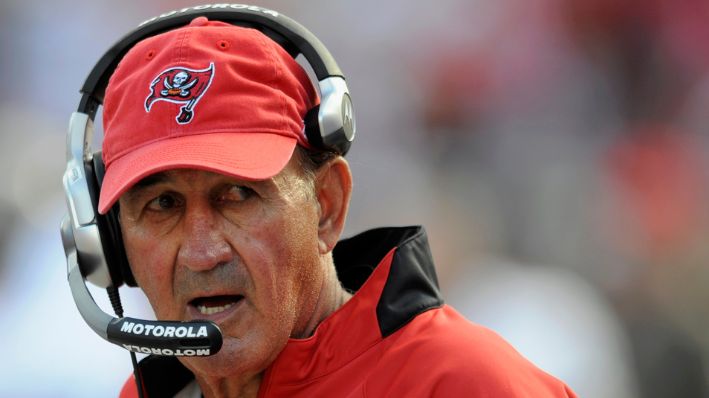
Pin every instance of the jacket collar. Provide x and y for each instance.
(392, 272)
(410, 285)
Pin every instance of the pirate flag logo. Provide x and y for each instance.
(180, 86)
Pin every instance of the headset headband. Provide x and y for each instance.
(335, 124)
(268, 21)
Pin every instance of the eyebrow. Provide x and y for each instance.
(147, 182)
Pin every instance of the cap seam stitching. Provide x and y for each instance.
(179, 61)
(271, 52)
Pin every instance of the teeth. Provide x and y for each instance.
(204, 310)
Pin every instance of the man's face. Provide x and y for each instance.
(242, 254)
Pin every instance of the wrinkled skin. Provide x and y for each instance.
(262, 246)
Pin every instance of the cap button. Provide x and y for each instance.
(199, 21)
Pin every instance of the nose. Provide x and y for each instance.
(204, 245)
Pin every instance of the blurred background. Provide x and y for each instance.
(555, 150)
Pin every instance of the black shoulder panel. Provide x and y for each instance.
(412, 285)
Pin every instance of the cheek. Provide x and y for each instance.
(283, 264)
(151, 262)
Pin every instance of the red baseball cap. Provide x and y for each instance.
(209, 96)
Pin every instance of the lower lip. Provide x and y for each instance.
(219, 317)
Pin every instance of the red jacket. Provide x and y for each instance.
(394, 338)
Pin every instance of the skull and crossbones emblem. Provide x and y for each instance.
(178, 85)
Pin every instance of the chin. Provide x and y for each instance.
(235, 359)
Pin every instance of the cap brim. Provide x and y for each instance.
(252, 156)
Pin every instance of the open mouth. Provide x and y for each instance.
(215, 304)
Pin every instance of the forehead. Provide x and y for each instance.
(292, 173)
(175, 175)
(185, 180)
(197, 177)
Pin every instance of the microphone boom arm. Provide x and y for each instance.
(171, 338)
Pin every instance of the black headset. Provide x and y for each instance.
(93, 243)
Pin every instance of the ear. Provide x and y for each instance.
(333, 186)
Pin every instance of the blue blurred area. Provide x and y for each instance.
(556, 152)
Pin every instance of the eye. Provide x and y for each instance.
(164, 202)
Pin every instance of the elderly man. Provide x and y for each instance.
(228, 213)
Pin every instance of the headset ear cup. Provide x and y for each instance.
(330, 126)
(110, 231)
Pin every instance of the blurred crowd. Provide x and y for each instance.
(556, 152)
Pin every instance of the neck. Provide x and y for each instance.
(331, 297)
(248, 390)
